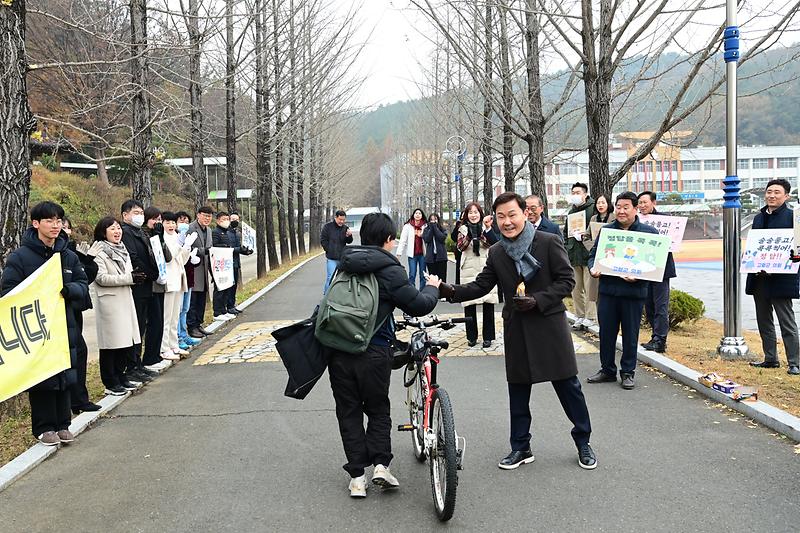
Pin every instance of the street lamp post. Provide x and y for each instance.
(455, 148)
(732, 344)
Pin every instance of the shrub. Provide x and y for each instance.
(684, 307)
(450, 244)
(49, 162)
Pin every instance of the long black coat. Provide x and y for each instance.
(538, 343)
(22, 262)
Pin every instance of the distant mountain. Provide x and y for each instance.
(768, 106)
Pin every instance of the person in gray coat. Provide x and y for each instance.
(203, 243)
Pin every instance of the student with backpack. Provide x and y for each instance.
(369, 278)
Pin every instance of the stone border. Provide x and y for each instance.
(762, 412)
(36, 454)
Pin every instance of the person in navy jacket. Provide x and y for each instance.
(776, 291)
(534, 209)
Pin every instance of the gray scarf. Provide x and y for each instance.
(519, 251)
(117, 253)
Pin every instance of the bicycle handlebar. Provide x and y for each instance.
(435, 321)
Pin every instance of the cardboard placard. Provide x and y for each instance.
(769, 250)
(632, 254)
(673, 227)
(576, 224)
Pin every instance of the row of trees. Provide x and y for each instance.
(126, 83)
(521, 79)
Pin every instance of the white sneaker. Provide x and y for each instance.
(577, 324)
(158, 367)
(358, 487)
(588, 323)
(169, 355)
(224, 318)
(180, 351)
(383, 478)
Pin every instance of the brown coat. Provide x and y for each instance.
(538, 343)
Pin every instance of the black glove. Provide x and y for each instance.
(795, 258)
(139, 277)
(446, 291)
(158, 229)
(524, 303)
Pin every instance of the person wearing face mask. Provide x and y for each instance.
(184, 339)
(175, 285)
(152, 357)
(144, 273)
(235, 241)
(475, 236)
(220, 238)
(585, 309)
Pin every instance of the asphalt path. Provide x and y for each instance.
(219, 448)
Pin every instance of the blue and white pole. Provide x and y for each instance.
(732, 344)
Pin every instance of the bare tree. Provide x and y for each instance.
(142, 158)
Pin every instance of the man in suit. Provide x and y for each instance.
(533, 270)
(534, 210)
(656, 306)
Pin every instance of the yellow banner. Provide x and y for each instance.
(33, 331)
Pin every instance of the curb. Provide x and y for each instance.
(36, 454)
(765, 414)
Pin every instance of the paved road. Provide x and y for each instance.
(218, 448)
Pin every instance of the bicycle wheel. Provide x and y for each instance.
(415, 403)
(444, 466)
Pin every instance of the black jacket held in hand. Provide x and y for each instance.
(23, 262)
(333, 239)
(392, 279)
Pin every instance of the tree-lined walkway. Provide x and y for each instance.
(217, 447)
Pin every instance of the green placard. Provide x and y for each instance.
(632, 254)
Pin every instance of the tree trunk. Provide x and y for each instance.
(486, 141)
(535, 138)
(279, 137)
(460, 173)
(505, 79)
(199, 178)
(142, 158)
(300, 176)
(314, 198)
(102, 170)
(265, 153)
(16, 125)
(230, 109)
(263, 192)
(292, 132)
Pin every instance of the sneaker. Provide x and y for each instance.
(139, 375)
(627, 381)
(180, 351)
(588, 323)
(169, 355)
(234, 311)
(191, 341)
(159, 367)
(515, 459)
(577, 324)
(183, 346)
(116, 390)
(586, 457)
(49, 438)
(128, 385)
(225, 317)
(794, 370)
(383, 478)
(65, 436)
(358, 487)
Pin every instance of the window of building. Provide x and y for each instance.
(565, 189)
(691, 185)
(760, 183)
(567, 168)
(743, 163)
(787, 162)
(621, 186)
(712, 164)
(760, 162)
(691, 165)
(613, 166)
(711, 184)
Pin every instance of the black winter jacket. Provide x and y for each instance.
(778, 285)
(616, 286)
(392, 279)
(434, 237)
(333, 240)
(577, 252)
(227, 238)
(22, 262)
(142, 258)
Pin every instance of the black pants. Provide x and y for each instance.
(360, 384)
(112, 365)
(657, 309)
(472, 325)
(79, 396)
(458, 267)
(155, 330)
(197, 308)
(615, 313)
(49, 410)
(141, 303)
(237, 276)
(572, 401)
(225, 299)
(438, 268)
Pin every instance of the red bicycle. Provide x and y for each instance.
(432, 426)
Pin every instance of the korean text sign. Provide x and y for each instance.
(769, 250)
(632, 254)
(673, 227)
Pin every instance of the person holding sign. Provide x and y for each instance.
(604, 215)
(776, 291)
(50, 399)
(620, 303)
(657, 304)
(575, 232)
(153, 358)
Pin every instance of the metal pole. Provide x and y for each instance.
(732, 344)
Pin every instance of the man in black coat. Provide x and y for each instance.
(534, 210)
(656, 305)
(223, 236)
(360, 381)
(235, 241)
(620, 303)
(533, 270)
(333, 237)
(776, 291)
(50, 399)
(145, 272)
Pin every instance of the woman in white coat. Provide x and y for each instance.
(475, 236)
(115, 312)
(175, 287)
(412, 247)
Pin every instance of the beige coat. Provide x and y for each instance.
(176, 273)
(471, 266)
(115, 313)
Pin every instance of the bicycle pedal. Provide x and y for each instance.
(405, 427)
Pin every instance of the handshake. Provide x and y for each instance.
(522, 303)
